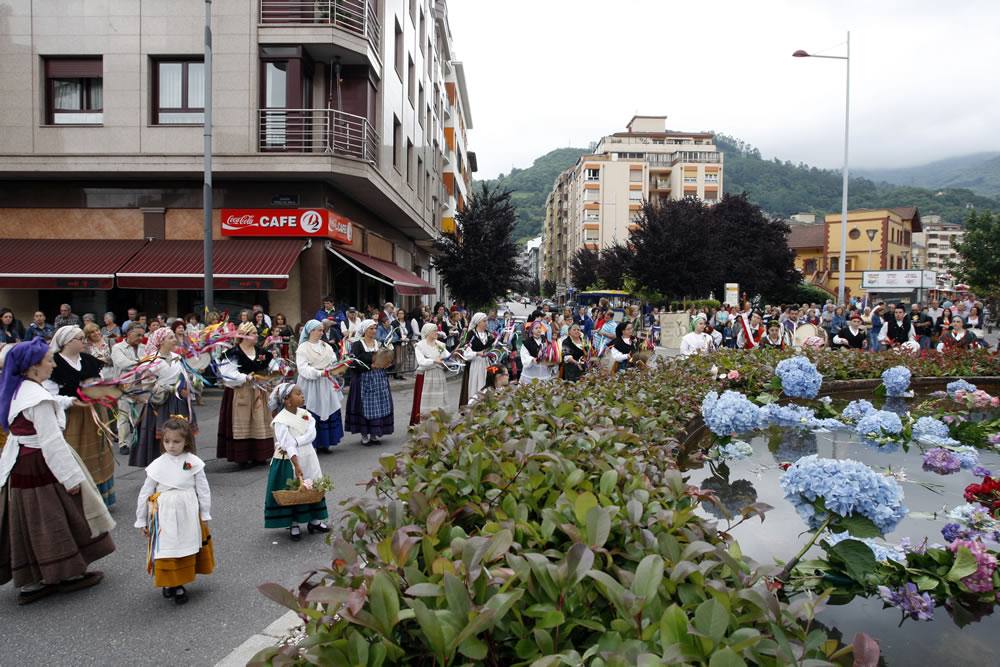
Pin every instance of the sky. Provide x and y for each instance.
(545, 74)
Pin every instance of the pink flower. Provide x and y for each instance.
(734, 375)
(960, 394)
(307, 484)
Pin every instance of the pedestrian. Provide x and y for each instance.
(125, 356)
(349, 327)
(575, 354)
(53, 522)
(623, 347)
(535, 366)
(110, 331)
(853, 336)
(66, 317)
(174, 504)
(478, 343)
(430, 389)
(328, 311)
(39, 328)
(263, 328)
(170, 394)
(244, 434)
(497, 377)
(315, 359)
(294, 459)
(97, 346)
(11, 330)
(281, 335)
(131, 319)
(257, 308)
(73, 366)
(369, 403)
(958, 337)
(876, 327)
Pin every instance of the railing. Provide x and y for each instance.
(317, 131)
(357, 17)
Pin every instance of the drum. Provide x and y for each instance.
(383, 358)
(92, 389)
(201, 361)
(803, 333)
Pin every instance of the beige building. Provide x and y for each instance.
(339, 133)
(933, 248)
(606, 189)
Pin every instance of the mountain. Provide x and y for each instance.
(531, 187)
(979, 172)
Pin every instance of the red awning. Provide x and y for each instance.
(63, 263)
(401, 280)
(244, 264)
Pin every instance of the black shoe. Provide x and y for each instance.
(318, 528)
(86, 581)
(124, 449)
(180, 595)
(295, 533)
(35, 596)
(168, 592)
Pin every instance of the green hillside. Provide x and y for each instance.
(979, 172)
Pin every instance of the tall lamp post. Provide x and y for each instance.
(842, 266)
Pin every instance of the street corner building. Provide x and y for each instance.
(340, 153)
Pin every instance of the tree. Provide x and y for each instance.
(583, 268)
(480, 262)
(548, 288)
(669, 249)
(612, 267)
(980, 253)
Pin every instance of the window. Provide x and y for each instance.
(411, 79)
(420, 104)
(430, 60)
(399, 50)
(591, 235)
(592, 216)
(591, 195)
(635, 176)
(855, 234)
(397, 130)
(711, 178)
(420, 177)
(835, 264)
(74, 91)
(593, 174)
(409, 163)
(690, 179)
(427, 183)
(179, 92)
(413, 11)
(635, 195)
(423, 31)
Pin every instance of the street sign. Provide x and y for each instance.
(906, 280)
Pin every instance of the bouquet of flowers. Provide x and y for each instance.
(321, 484)
(799, 377)
(549, 354)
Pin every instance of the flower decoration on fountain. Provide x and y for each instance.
(880, 426)
(882, 552)
(932, 432)
(942, 461)
(980, 581)
(969, 522)
(737, 450)
(960, 385)
(855, 410)
(977, 399)
(896, 380)
(918, 606)
(986, 493)
(799, 377)
(839, 492)
(730, 413)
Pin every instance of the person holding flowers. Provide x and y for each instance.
(478, 343)
(534, 366)
(575, 354)
(173, 505)
(369, 403)
(430, 390)
(313, 360)
(244, 434)
(294, 460)
(53, 521)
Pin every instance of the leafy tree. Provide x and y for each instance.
(980, 252)
(548, 288)
(669, 249)
(583, 268)
(612, 267)
(480, 262)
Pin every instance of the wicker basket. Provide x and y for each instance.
(297, 497)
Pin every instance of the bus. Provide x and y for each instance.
(619, 300)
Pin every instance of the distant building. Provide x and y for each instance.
(530, 258)
(933, 248)
(594, 203)
(803, 218)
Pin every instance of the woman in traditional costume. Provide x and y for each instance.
(958, 337)
(750, 330)
(174, 503)
(534, 367)
(322, 393)
(575, 354)
(73, 366)
(53, 521)
(479, 342)
(430, 390)
(852, 336)
(170, 394)
(294, 459)
(369, 403)
(697, 341)
(403, 360)
(244, 434)
(776, 337)
(623, 346)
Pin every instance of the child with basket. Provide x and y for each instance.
(294, 461)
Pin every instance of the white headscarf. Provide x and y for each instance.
(364, 326)
(476, 319)
(279, 395)
(64, 335)
(426, 330)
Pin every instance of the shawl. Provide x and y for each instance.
(297, 422)
(319, 354)
(169, 470)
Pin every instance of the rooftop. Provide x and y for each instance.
(807, 236)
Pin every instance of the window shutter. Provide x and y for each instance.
(74, 68)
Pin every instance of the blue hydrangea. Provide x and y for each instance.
(896, 380)
(796, 416)
(880, 425)
(730, 413)
(968, 456)
(846, 487)
(827, 424)
(855, 410)
(960, 385)
(799, 377)
(937, 441)
(737, 450)
(883, 552)
(929, 426)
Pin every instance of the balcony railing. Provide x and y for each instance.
(357, 17)
(317, 131)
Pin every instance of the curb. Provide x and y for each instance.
(269, 636)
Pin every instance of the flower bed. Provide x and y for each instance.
(552, 527)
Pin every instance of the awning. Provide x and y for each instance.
(63, 263)
(401, 280)
(244, 264)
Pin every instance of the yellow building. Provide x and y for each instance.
(877, 240)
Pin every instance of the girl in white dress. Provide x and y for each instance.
(534, 368)
(430, 388)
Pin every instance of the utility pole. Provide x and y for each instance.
(207, 185)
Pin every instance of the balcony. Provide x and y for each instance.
(356, 17)
(317, 131)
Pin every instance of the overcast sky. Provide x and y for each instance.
(543, 74)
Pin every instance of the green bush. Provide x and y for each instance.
(553, 528)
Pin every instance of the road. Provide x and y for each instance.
(126, 621)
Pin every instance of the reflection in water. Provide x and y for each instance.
(896, 404)
(733, 496)
(790, 445)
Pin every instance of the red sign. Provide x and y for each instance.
(311, 222)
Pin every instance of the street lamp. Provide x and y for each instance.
(847, 122)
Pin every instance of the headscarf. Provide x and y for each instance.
(64, 335)
(426, 330)
(309, 326)
(4, 351)
(476, 319)
(280, 393)
(155, 340)
(246, 329)
(19, 359)
(365, 326)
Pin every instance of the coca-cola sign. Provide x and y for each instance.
(312, 222)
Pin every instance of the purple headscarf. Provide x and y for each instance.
(22, 357)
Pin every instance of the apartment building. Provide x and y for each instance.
(646, 162)
(340, 152)
(933, 248)
(555, 249)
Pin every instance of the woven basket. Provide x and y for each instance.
(297, 497)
